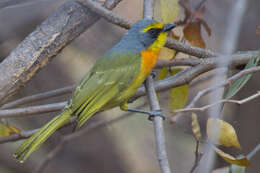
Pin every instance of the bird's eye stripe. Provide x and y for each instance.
(154, 32)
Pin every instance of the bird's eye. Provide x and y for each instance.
(154, 32)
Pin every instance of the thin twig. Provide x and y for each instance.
(178, 62)
(28, 133)
(37, 97)
(190, 50)
(223, 84)
(105, 13)
(22, 112)
(17, 136)
(203, 108)
(253, 152)
(198, 157)
(72, 137)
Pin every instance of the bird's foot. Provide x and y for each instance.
(151, 114)
(156, 113)
(153, 74)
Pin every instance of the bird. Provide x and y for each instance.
(112, 80)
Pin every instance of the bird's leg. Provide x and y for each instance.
(151, 114)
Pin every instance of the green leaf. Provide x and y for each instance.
(238, 84)
(178, 95)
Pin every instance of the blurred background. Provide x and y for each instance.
(128, 145)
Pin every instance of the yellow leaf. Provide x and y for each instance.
(232, 160)
(178, 95)
(226, 134)
(192, 32)
(195, 126)
(7, 130)
(14, 129)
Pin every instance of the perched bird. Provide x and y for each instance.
(113, 79)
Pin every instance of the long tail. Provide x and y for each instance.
(31, 144)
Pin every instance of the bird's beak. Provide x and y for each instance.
(168, 27)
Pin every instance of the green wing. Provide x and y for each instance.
(109, 76)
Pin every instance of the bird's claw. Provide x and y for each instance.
(153, 74)
(156, 113)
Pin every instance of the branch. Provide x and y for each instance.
(17, 136)
(253, 152)
(148, 7)
(178, 62)
(158, 127)
(22, 112)
(37, 97)
(107, 14)
(223, 84)
(186, 76)
(201, 109)
(181, 78)
(198, 157)
(37, 49)
(190, 50)
(28, 133)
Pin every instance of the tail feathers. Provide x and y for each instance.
(33, 143)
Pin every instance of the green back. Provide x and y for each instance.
(110, 76)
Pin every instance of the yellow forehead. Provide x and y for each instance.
(153, 25)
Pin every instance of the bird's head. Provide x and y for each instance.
(151, 33)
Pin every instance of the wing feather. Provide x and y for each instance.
(110, 76)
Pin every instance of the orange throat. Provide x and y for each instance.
(149, 59)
